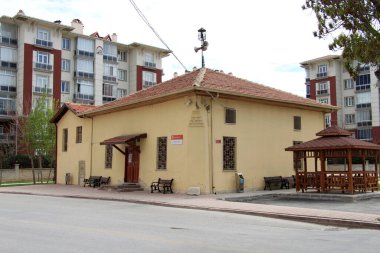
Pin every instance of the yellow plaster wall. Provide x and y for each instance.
(186, 163)
(263, 132)
(68, 162)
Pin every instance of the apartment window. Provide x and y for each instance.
(148, 57)
(323, 88)
(8, 31)
(363, 116)
(349, 119)
(229, 153)
(121, 75)
(37, 99)
(349, 101)
(363, 100)
(42, 57)
(86, 66)
(108, 90)
(65, 65)
(110, 49)
(65, 138)
(42, 84)
(110, 70)
(85, 88)
(363, 82)
(327, 120)
(86, 47)
(43, 34)
(149, 79)
(121, 93)
(66, 43)
(7, 80)
(322, 70)
(108, 160)
(364, 134)
(297, 122)
(65, 87)
(121, 55)
(8, 54)
(348, 84)
(79, 135)
(230, 116)
(324, 101)
(162, 150)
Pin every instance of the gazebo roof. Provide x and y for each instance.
(333, 138)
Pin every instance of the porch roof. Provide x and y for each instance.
(123, 139)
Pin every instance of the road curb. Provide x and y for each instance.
(300, 218)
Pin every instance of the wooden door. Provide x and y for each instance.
(132, 164)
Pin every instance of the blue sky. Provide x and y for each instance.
(261, 41)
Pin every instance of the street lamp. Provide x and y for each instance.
(204, 45)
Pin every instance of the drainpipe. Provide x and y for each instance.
(91, 144)
(210, 147)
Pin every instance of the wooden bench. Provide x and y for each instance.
(289, 182)
(269, 181)
(104, 181)
(162, 185)
(92, 181)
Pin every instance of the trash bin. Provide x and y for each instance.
(239, 182)
(68, 178)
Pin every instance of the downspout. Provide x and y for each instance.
(91, 144)
(211, 150)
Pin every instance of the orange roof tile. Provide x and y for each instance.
(75, 108)
(212, 81)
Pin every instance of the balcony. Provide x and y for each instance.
(365, 105)
(322, 92)
(108, 98)
(363, 87)
(148, 84)
(44, 43)
(43, 90)
(321, 74)
(110, 58)
(364, 69)
(111, 79)
(84, 53)
(10, 65)
(84, 75)
(8, 88)
(7, 138)
(43, 66)
(83, 98)
(8, 41)
(149, 64)
(364, 123)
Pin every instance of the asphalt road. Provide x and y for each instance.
(48, 224)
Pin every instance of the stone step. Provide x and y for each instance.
(125, 187)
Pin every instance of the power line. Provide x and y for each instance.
(154, 31)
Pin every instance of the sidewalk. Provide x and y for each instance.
(207, 202)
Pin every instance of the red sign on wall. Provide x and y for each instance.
(177, 139)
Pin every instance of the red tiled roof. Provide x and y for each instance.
(333, 138)
(75, 108)
(212, 81)
(334, 131)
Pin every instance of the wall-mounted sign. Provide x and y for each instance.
(177, 139)
(218, 141)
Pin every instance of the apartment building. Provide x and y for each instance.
(42, 57)
(328, 82)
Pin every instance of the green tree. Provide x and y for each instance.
(354, 26)
(39, 133)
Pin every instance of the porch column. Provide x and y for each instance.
(298, 178)
(323, 169)
(350, 181)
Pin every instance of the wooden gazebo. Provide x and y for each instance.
(336, 146)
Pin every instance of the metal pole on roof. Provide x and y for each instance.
(204, 45)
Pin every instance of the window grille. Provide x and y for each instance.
(162, 149)
(108, 163)
(229, 153)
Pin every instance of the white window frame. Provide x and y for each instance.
(66, 65)
(322, 68)
(349, 101)
(349, 84)
(65, 87)
(324, 101)
(43, 57)
(349, 119)
(43, 34)
(121, 75)
(66, 43)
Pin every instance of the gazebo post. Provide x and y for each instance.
(364, 173)
(323, 168)
(376, 169)
(350, 181)
(298, 178)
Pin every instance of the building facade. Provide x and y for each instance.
(40, 57)
(328, 82)
(199, 128)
